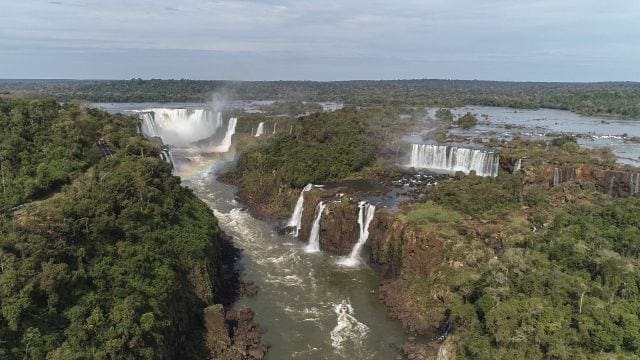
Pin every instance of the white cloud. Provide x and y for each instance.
(411, 30)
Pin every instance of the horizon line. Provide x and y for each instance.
(325, 81)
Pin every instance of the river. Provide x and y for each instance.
(297, 291)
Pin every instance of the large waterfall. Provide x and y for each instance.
(180, 127)
(296, 216)
(260, 129)
(314, 235)
(225, 144)
(451, 159)
(365, 216)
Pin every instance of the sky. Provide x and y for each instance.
(514, 40)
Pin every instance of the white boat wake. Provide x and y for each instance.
(348, 330)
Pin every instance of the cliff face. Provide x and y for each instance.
(622, 182)
(401, 253)
(508, 163)
(339, 223)
(618, 183)
(311, 200)
(385, 243)
(339, 227)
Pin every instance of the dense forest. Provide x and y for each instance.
(101, 257)
(538, 272)
(612, 98)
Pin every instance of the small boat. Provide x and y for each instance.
(344, 306)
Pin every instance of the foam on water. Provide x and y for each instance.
(349, 331)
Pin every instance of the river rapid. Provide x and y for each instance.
(297, 291)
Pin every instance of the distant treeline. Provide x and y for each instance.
(610, 98)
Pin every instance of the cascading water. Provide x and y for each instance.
(180, 127)
(314, 235)
(296, 216)
(451, 159)
(219, 122)
(365, 216)
(634, 184)
(260, 129)
(518, 166)
(166, 153)
(556, 176)
(225, 144)
(274, 127)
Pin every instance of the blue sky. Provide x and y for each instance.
(520, 40)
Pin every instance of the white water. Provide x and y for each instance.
(365, 215)
(296, 216)
(218, 119)
(274, 127)
(518, 166)
(180, 127)
(260, 129)
(556, 176)
(314, 235)
(634, 184)
(349, 331)
(225, 144)
(168, 157)
(452, 159)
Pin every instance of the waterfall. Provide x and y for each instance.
(260, 129)
(225, 144)
(518, 166)
(314, 235)
(166, 155)
(179, 127)
(218, 120)
(274, 127)
(451, 159)
(634, 184)
(296, 216)
(365, 216)
(556, 176)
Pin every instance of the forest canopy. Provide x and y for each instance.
(106, 257)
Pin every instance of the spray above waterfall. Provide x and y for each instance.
(452, 159)
(365, 216)
(180, 127)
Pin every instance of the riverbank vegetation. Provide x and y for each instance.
(321, 148)
(103, 257)
(610, 98)
(530, 270)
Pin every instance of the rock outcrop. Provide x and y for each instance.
(339, 223)
(339, 227)
(233, 335)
